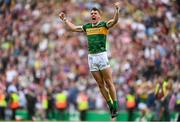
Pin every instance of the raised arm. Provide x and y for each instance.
(70, 25)
(113, 21)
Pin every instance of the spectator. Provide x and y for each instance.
(83, 105)
(130, 102)
(31, 102)
(61, 104)
(3, 104)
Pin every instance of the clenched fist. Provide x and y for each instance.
(62, 16)
(117, 5)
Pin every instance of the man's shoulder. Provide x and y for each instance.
(87, 25)
(103, 23)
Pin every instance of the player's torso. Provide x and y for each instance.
(96, 35)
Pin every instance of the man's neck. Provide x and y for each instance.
(95, 24)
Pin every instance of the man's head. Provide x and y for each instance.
(160, 79)
(95, 15)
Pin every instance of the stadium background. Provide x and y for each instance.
(40, 58)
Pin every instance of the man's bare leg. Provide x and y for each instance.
(102, 86)
(107, 76)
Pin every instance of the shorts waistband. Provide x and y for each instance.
(96, 54)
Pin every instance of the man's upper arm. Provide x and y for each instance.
(79, 29)
(110, 23)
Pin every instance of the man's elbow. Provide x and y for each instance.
(72, 29)
(116, 20)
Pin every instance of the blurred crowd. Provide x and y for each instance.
(40, 57)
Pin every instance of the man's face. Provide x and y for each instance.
(160, 79)
(95, 16)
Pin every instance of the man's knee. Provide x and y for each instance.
(109, 83)
(101, 85)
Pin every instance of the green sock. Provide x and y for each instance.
(110, 104)
(115, 104)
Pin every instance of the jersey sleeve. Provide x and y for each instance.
(106, 24)
(84, 27)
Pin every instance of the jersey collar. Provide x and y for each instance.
(94, 25)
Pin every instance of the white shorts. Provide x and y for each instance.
(98, 61)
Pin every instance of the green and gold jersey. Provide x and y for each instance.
(96, 35)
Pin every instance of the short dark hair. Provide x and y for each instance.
(96, 9)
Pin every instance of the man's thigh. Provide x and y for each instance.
(97, 76)
(107, 73)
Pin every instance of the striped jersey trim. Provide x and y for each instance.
(95, 31)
